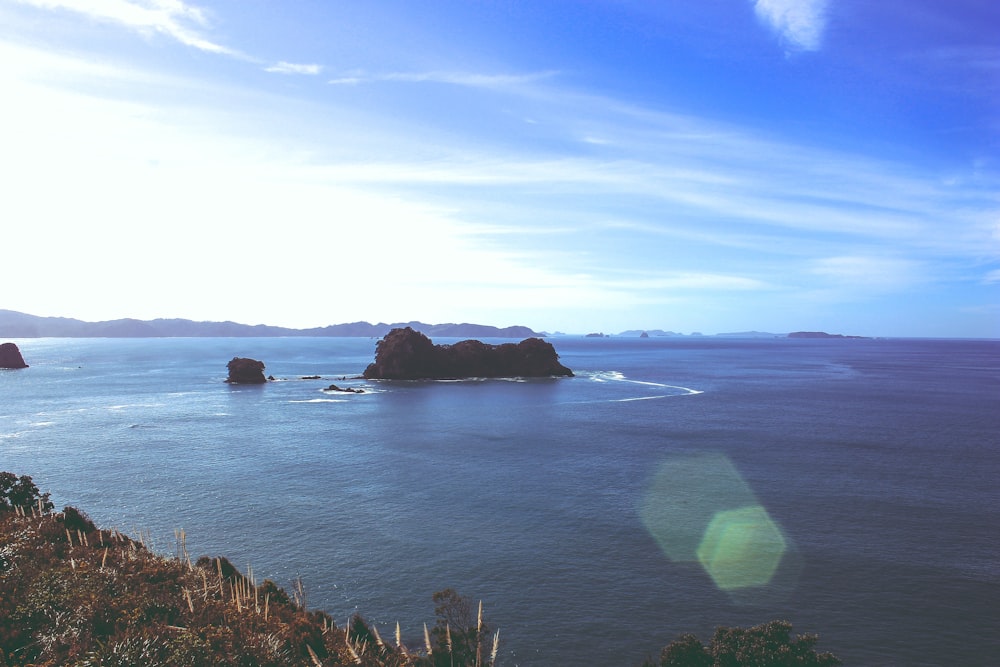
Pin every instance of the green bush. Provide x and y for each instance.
(767, 645)
(21, 492)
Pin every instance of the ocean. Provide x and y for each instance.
(673, 485)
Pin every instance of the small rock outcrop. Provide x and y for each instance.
(245, 371)
(10, 356)
(346, 390)
(405, 354)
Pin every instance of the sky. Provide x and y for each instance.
(574, 166)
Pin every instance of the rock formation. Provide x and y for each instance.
(245, 371)
(346, 390)
(10, 356)
(405, 354)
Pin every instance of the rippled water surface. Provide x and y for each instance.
(597, 516)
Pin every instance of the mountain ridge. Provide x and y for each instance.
(14, 324)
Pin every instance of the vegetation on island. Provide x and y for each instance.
(77, 595)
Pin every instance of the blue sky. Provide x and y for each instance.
(709, 165)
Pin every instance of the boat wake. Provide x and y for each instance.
(619, 377)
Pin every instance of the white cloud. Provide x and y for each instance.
(470, 79)
(173, 18)
(294, 68)
(800, 23)
(992, 277)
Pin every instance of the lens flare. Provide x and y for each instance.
(741, 548)
(699, 509)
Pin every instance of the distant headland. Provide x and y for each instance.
(21, 325)
(818, 334)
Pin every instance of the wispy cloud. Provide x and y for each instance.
(294, 68)
(874, 273)
(799, 23)
(173, 18)
(470, 79)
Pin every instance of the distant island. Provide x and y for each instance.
(21, 325)
(818, 334)
(405, 354)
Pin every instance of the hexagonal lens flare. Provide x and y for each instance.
(741, 548)
(699, 509)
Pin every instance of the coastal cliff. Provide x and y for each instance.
(405, 354)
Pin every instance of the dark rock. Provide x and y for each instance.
(310, 377)
(10, 356)
(245, 371)
(348, 390)
(405, 354)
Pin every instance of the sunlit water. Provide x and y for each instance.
(577, 509)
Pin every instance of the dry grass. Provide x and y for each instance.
(73, 594)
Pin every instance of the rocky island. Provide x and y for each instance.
(405, 354)
(245, 371)
(10, 356)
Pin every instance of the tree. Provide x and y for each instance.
(685, 651)
(767, 645)
(460, 635)
(21, 492)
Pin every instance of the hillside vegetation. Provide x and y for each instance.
(72, 594)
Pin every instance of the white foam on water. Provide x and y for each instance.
(618, 376)
(639, 398)
(134, 405)
(320, 400)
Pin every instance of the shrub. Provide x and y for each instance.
(21, 492)
(766, 645)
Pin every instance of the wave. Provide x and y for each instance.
(640, 398)
(320, 400)
(133, 405)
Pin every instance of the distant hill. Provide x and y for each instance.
(818, 334)
(21, 325)
(695, 334)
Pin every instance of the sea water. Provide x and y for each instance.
(673, 485)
